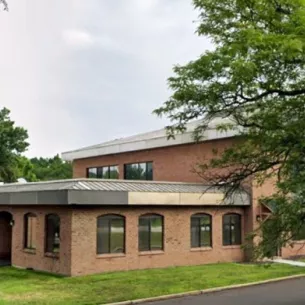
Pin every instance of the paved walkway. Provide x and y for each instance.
(290, 292)
(288, 262)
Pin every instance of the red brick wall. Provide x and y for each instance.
(38, 260)
(295, 249)
(173, 163)
(177, 250)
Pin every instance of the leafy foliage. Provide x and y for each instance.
(51, 168)
(255, 80)
(13, 142)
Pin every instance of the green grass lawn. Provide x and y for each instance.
(27, 287)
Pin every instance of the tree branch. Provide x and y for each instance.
(273, 91)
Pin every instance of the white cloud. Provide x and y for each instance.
(68, 99)
(77, 38)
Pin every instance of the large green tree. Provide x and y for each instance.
(51, 168)
(255, 78)
(13, 142)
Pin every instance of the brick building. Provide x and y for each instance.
(135, 203)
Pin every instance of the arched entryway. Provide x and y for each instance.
(5, 237)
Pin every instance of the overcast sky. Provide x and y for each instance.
(81, 72)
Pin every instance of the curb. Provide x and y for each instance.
(205, 291)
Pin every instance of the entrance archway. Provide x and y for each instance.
(5, 237)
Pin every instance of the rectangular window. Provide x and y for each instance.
(110, 234)
(52, 233)
(151, 233)
(138, 171)
(30, 231)
(103, 172)
(92, 172)
(201, 231)
(231, 229)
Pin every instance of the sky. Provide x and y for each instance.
(76, 73)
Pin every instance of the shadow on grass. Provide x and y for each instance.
(12, 273)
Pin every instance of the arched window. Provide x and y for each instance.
(110, 234)
(201, 230)
(52, 233)
(231, 229)
(150, 232)
(30, 222)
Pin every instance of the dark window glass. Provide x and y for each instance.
(30, 222)
(92, 172)
(150, 233)
(52, 233)
(201, 231)
(104, 172)
(231, 229)
(149, 171)
(110, 234)
(99, 172)
(113, 172)
(139, 171)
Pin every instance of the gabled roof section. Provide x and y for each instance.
(149, 140)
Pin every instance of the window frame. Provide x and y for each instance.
(46, 250)
(146, 171)
(97, 168)
(149, 232)
(26, 227)
(223, 229)
(200, 215)
(109, 235)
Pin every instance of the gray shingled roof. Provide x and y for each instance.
(106, 185)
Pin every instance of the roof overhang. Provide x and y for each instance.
(142, 142)
(117, 192)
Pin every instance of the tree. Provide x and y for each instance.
(12, 144)
(4, 4)
(25, 169)
(255, 78)
(51, 168)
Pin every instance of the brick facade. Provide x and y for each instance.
(38, 259)
(78, 231)
(78, 225)
(176, 163)
(177, 245)
(172, 163)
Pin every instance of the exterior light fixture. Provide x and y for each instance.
(12, 222)
(258, 218)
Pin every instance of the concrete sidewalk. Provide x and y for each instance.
(288, 262)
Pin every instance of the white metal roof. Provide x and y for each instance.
(105, 185)
(149, 140)
(116, 192)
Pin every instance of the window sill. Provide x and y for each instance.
(111, 255)
(53, 255)
(29, 251)
(202, 249)
(157, 252)
(232, 247)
